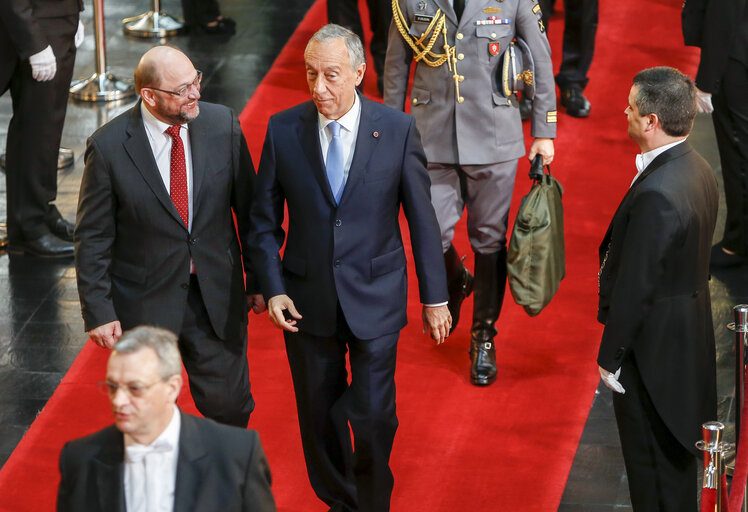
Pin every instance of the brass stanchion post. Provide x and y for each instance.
(101, 86)
(154, 24)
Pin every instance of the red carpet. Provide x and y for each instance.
(504, 448)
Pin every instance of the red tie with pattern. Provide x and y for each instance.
(178, 175)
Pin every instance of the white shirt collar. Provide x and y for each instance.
(644, 159)
(349, 120)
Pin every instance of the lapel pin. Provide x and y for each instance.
(422, 5)
(375, 135)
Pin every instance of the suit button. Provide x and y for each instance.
(459, 35)
(193, 241)
(493, 35)
(337, 263)
(338, 223)
(620, 352)
(460, 56)
(415, 100)
(184, 286)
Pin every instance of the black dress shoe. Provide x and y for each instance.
(46, 246)
(721, 259)
(575, 103)
(62, 229)
(222, 27)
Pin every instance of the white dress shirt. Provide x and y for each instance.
(151, 471)
(644, 159)
(161, 148)
(348, 134)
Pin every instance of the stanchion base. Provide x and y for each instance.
(152, 25)
(65, 159)
(102, 87)
(3, 236)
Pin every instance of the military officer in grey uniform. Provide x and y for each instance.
(472, 134)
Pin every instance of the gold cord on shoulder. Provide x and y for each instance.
(424, 52)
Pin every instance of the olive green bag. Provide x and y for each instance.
(536, 261)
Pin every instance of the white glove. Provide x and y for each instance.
(43, 65)
(611, 380)
(79, 34)
(704, 102)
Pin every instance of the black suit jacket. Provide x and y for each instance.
(352, 253)
(132, 250)
(715, 27)
(21, 34)
(654, 291)
(219, 468)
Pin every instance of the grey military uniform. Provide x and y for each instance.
(472, 146)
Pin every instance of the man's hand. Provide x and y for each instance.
(43, 65)
(438, 321)
(611, 380)
(544, 147)
(256, 303)
(106, 335)
(276, 306)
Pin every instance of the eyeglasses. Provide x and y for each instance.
(184, 90)
(134, 390)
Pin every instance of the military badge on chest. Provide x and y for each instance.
(493, 48)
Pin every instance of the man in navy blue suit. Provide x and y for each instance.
(344, 166)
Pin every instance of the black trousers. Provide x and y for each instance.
(345, 479)
(730, 119)
(580, 28)
(345, 13)
(217, 369)
(661, 471)
(200, 12)
(34, 134)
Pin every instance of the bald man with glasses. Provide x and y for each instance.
(155, 239)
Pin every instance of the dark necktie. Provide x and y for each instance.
(178, 175)
(459, 6)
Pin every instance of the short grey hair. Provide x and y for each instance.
(352, 42)
(161, 341)
(671, 95)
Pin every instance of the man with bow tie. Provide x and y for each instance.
(657, 351)
(345, 166)
(154, 457)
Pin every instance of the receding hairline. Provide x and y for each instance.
(148, 71)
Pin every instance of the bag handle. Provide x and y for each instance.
(536, 169)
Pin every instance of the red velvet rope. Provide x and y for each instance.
(737, 489)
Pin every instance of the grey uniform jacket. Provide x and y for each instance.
(485, 128)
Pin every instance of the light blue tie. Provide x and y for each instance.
(334, 164)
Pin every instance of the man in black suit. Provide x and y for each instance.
(720, 29)
(155, 237)
(344, 166)
(346, 14)
(155, 457)
(657, 350)
(580, 29)
(37, 54)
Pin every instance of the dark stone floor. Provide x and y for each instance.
(41, 331)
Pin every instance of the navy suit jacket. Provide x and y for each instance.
(351, 253)
(218, 468)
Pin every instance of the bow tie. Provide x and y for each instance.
(137, 452)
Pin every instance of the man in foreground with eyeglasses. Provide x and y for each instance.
(155, 457)
(155, 240)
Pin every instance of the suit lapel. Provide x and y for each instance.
(365, 144)
(139, 149)
(199, 143)
(471, 9)
(661, 159)
(108, 466)
(190, 464)
(309, 140)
